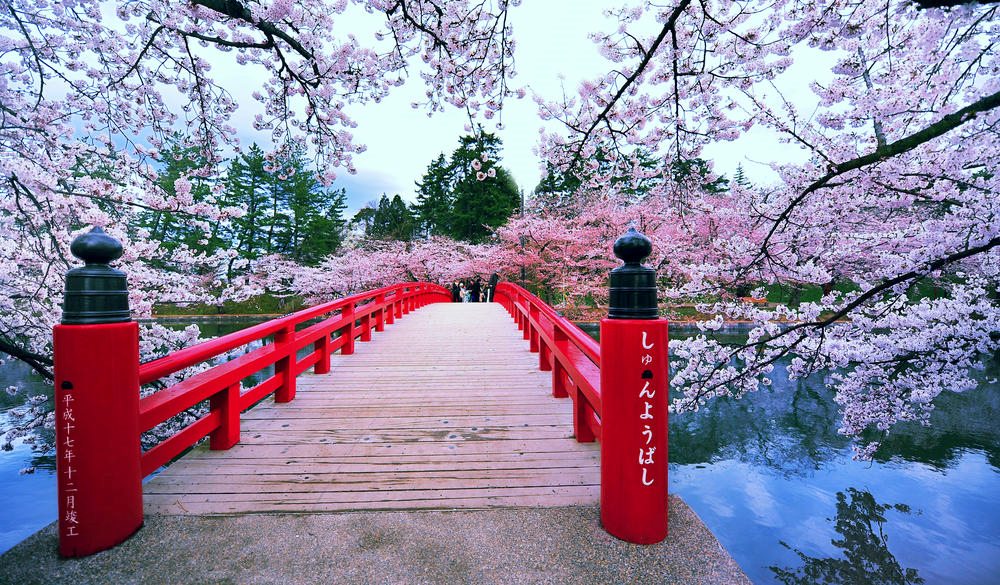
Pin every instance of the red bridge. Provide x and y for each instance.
(391, 399)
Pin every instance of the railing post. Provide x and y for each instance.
(544, 356)
(322, 345)
(533, 337)
(366, 327)
(380, 317)
(227, 404)
(400, 293)
(348, 331)
(96, 347)
(284, 368)
(558, 371)
(390, 311)
(634, 397)
(582, 413)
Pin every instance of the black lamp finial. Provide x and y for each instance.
(95, 293)
(633, 286)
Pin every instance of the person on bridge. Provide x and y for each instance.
(477, 289)
(455, 298)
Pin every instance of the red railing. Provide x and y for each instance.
(351, 318)
(573, 357)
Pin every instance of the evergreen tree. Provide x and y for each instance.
(696, 172)
(323, 233)
(288, 211)
(740, 178)
(485, 195)
(304, 205)
(392, 220)
(556, 189)
(364, 217)
(246, 186)
(174, 229)
(434, 198)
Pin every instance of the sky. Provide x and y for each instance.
(552, 50)
(553, 54)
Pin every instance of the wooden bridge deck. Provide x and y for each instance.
(444, 409)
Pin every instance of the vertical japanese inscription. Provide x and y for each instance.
(646, 395)
(67, 422)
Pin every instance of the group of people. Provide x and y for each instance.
(470, 291)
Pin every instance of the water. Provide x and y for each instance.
(27, 502)
(770, 476)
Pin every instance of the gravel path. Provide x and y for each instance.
(527, 545)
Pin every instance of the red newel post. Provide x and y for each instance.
(227, 404)
(634, 392)
(97, 404)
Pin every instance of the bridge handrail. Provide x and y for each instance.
(573, 356)
(153, 370)
(220, 384)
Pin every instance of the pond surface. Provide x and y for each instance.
(773, 480)
(770, 476)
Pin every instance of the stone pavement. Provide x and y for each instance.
(520, 545)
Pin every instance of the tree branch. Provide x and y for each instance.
(40, 363)
(935, 130)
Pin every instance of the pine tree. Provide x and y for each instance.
(174, 229)
(485, 194)
(740, 178)
(246, 186)
(392, 220)
(324, 232)
(556, 189)
(434, 198)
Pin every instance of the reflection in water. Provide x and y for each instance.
(791, 428)
(768, 469)
(865, 546)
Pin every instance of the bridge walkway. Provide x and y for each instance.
(445, 409)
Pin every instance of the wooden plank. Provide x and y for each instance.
(169, 505)
(445, 409)
(324, 448)
(376, 481)
(374, 464)
(450, 412)
(443, 435)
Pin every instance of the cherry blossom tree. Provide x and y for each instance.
(894, 185)
(92, 91)
(898, 187)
